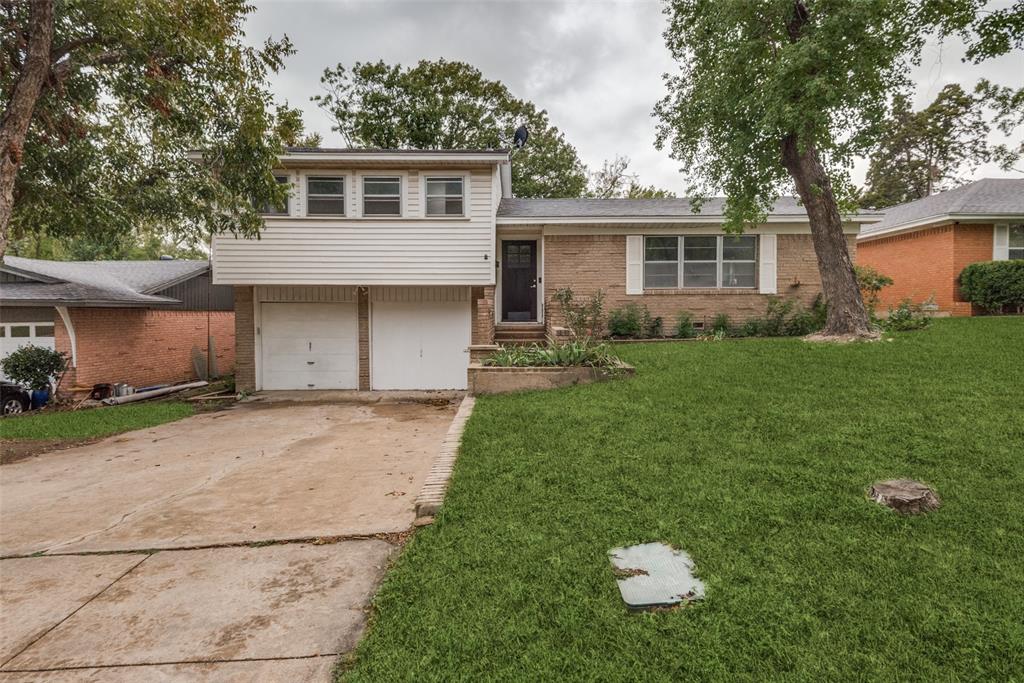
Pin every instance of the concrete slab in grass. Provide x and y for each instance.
(274, 602)
(653, 575)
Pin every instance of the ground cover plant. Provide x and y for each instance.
(754, 457)
(554, 354)
(92, 422)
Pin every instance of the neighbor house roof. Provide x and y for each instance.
(639, 210)
(986, 199)
(94, 283)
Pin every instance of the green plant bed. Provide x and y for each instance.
(92, 422)
(755, 458)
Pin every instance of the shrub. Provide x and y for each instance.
(994, 285)
(721, 324)
(634, 321)
(585, 317)
(34, 366)
(905, 317)
(786, 318)
(871, 282)
(561, 354)
(805, 321)
(684, 326)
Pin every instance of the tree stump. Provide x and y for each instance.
(906, 496)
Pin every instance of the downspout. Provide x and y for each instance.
(69, 326)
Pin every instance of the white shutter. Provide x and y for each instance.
(1001, 243)
(768, 266)
(634, 264)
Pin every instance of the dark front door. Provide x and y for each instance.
(519, 280)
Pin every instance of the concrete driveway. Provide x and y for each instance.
(239, 545)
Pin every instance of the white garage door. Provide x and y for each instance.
(309, 346)
(15, 335)
(421, 345)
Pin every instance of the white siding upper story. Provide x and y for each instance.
(353, 249)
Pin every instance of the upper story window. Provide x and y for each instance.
(270, 209)
(1017, 241)
(700, 261)
(382, 196)
(325, 196)
(445, 196)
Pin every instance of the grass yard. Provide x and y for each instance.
(754, 456)
(93, 422)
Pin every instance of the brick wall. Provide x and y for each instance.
(140, 346)
(587, 263)
(363, 320)
(926, 263)
(245, 340)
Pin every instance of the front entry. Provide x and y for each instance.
(519, 280)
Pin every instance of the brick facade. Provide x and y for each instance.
(587, 263)
(363, 321)
(482, 313)
(140, 346)
(245, 340)
(927, 263)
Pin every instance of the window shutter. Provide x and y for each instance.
(1001, 243)
(767, 268)
(634, 264)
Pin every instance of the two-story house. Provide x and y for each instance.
(390, 269)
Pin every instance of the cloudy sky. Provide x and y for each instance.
(595, 65)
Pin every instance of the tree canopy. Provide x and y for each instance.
(614, 180)
(920, 153)
(449, 105)
(106, 101)
(784, 94)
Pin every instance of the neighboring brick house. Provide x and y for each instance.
(136, 322)
(392, 269)
(924, 245)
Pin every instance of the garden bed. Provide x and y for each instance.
(490, 379)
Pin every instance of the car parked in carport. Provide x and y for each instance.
(13, 398)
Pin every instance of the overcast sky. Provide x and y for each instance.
(594, 65)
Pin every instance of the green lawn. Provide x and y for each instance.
(93, 422)
(754, 456)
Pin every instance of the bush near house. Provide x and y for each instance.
(35, 367)
(634, 321)
(871, 283)
(684, 326)
(554, 354)
(994, 285)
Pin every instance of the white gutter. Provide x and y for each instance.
(70, 327)
(942, 218)
(398, 157)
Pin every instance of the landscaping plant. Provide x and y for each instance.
(575, 353)
(721, 324)
(684, 326)
(35, 367)
(634, 321)
(906, 317)
(584, 317)
(994, 285)
(871, 282)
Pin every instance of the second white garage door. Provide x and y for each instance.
(309, 346)
(421, 345)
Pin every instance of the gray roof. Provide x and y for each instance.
(632, 208)
(986, 197)
(96, 283)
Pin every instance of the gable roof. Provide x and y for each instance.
(642, 210)
(993, 198)
(95, 283)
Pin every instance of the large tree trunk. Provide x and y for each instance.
(847, 316)
(30, 83)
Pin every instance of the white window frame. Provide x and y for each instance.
(719, 259)
(282, 179)
(678, 261)
(425, 182)
(1010, 248)
(343, 196)
(402, 184)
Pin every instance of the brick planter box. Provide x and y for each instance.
(484, 379)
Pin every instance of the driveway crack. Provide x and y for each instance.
(72, 613)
